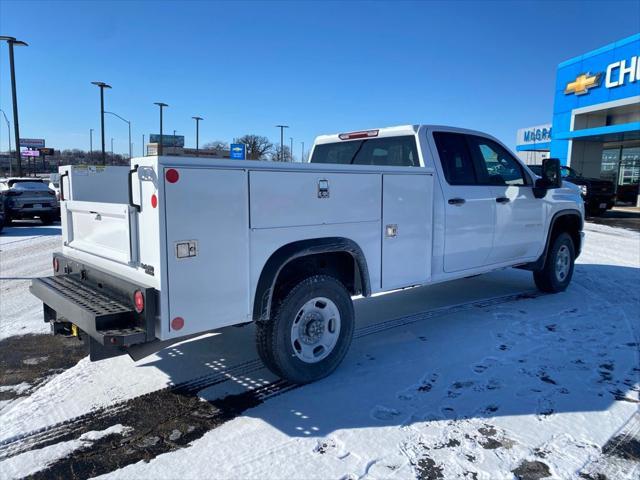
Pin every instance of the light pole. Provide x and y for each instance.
(143, 154)
(302, 153)
(9, 137)
(161, 105)
(128, 123)
(291, 149)
(197, 119)
(282, 127)
(102, 86)
(91, 141)
(111, 149)
(11, 41)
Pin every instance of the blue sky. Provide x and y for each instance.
(320, 67)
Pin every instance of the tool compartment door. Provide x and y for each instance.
(206, 214)
(407, 234)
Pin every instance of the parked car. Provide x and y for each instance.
(28, 198)
(599, 195)
(2, 219)
(191, 246)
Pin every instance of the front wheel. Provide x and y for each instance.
(311, 330)
(558, 267)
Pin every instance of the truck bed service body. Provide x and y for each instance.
(178, 246)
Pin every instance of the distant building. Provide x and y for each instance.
(152, 149)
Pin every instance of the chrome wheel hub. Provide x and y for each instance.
(563, 263)
(315, 330)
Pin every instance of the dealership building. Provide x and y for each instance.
(596, 117)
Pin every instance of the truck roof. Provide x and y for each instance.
(387, 132)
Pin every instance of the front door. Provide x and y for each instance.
(519, 215)
(469, 206)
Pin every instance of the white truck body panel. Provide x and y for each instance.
(204, 241)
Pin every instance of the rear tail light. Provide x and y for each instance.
(362, 134)
(56, 264)
(138, 301)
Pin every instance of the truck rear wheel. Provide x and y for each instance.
(310, 332)
(558, 268)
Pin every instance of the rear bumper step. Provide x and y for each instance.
(97, 313)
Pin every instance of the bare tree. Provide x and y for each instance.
(276, 156)
(258, 147)
(216, 145)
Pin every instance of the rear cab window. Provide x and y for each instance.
(398, 151)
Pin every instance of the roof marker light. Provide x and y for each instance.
(361, 134)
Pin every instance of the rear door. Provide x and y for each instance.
(469, 206)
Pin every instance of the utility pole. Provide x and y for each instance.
(282, 127)
(9, 137)
(11, 41)
(161, 105)
(197, 119)
(102, 86)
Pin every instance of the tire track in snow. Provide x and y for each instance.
(99, 418)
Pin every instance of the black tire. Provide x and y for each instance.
(273, 337)
(548, 279)
(46, 219)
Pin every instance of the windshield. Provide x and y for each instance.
(29, 185)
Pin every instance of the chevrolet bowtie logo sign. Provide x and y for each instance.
(583, 83)
(237, 149)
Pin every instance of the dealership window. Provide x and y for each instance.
(455, 159)
(398, 151)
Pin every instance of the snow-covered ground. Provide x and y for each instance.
(459, 386)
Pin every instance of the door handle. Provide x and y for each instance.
(502, 200)
(456, 201)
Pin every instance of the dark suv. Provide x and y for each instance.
(28, 198)
(598, 195)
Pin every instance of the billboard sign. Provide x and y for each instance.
(32, 142)
(46, 151)
(238, 151)
(532, 135)
(167, 140)
(30, 153)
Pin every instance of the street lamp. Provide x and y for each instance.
(282, 127)
(11, 41)
(197, 119)
(111, 149)
(161, 105)
(291, 149)
(102, 86)
(91, 142)
(128, 123)
(9, 137)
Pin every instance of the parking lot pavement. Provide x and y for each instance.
(621, 217)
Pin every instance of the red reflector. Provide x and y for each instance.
(56, 264)
(177, 323)
(354, 135)
(172, 175)
(154, 200)
(138, 301)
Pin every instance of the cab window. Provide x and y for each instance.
(455, 158)
(495, 164)
(389, 151)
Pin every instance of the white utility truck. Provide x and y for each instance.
(178, 246)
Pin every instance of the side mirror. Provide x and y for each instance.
(551, 177)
